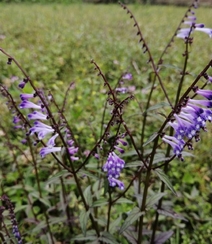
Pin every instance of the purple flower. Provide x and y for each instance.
(37, 115)
(113, 167)
(209, 78)
(122, 90)
(41, 128)
(205, 93)
(204, 103)
(28, 104)
(177, 145)
(127, 76)
(16, 119)
(121, 150)
(205, 30)
(51, 141)
(46, 150)
(26, 96)
(114, 182)
(123, 142)
(22, 84)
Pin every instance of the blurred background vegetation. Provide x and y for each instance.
(173, 2)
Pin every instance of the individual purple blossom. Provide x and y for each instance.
(26, 96)
(72, 150)
(28, 104)
(119, 149)
(177, 145)
(127, 76)
(209, 78)
(204, 103)
(205, 93)
(205, 30)
(37, 115)
(16, 119)
(51, 141)
(22, 84)
(114, 182)
(46, 150)
(123, 142)
(41, 128)
(122, 90)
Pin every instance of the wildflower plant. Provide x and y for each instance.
(79, 202)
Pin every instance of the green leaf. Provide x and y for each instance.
(163, 237)
(90, 235)
(55, 178)
(100, 202)
(88, 196)
(154, 199)
(124, 200)
(114, 224)
(157, 106)
(83, 219)
(152, 137)
(132, 217)
(37, 196)
(108, 238)
(165, 179)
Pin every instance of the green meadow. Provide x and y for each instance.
(55, 45)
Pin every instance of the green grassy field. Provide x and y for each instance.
(55, 44)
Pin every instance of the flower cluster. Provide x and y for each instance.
(190, 20)
(13, 220)
(114, 165)
(189, 121)
(40, 129)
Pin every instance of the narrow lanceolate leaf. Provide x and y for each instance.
(83, 219)
(107, 238)
(131, 236)
(171, 213)
(154, 199)
(115, 224)
(163, 237)
(165, 179)
(100, 202)
(88, 196)
(157, 106)
(152, 137)
(132, 217)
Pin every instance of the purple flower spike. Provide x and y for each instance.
(114, 182)
(113, 165)
(51, 141)
(37, 115)
(28, 104)
(205, 93)
(46, 150)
